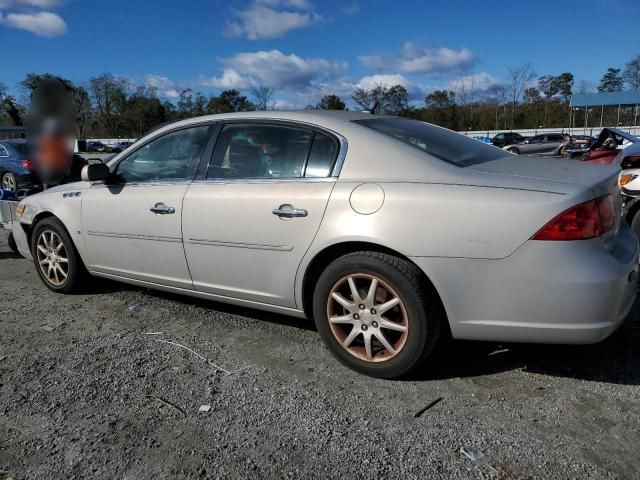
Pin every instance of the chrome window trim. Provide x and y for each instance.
(222, 181)
(113, 164)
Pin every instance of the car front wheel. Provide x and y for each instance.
(55, 256)
(372, 311)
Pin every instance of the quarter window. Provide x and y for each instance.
(260, 151)
(173, 156)
(323, 154)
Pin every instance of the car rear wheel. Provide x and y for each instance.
(55, 257)
(9, 182)
(372, 311)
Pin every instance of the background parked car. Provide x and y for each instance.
(96, 147)
(119, 147)
(507, 138)
(546, 144)
(607, 147)
(16, 171)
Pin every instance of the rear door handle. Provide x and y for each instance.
(162, 209)
(287, 211)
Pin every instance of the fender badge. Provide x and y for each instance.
(71, 194)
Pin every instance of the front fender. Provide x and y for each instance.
(64, 203)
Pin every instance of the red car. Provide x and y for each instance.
(609, 143)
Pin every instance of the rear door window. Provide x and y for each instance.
(256, 150)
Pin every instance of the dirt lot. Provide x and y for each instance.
(84, 393)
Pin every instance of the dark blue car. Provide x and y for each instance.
(16, 171)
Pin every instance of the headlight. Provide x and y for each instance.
(20, 210)
(626, 178)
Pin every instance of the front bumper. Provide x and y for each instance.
(22, 242)
(546, 292)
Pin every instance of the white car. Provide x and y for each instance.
(390, 233)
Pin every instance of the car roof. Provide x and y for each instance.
(326, 118)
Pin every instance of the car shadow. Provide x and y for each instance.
(103, 285)
(9, 255)
(615, 360)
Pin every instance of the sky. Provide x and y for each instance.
(307, 48)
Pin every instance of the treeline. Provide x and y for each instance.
(112, 107)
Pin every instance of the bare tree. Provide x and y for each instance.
(631, 73)
(263, 96)
(501, 94)
(519, 78)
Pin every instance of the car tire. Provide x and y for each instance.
(9, 182)
(635, 223)
(59, 267)
(515, 151)
(411, 327)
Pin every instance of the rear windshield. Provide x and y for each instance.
(441, 143)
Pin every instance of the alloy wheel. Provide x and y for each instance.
(52, 257)
(367, 317)
(9, 183)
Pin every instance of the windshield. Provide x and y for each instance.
(444, 144)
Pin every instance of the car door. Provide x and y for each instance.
(535, 145)
(553, 143)
(250, 218)
(132, 226)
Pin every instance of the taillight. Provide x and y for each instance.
(27, 164)
(586, 220)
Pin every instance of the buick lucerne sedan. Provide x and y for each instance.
(390, 233)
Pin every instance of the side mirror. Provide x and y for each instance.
(94, 172)
(527, 141)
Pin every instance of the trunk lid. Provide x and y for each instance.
(600, 179)
(549, 169)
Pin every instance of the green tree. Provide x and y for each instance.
(331, 102)
(110, 96)
(611, 81)
(229, 101)
(380, 99)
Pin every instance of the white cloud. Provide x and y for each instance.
(416, 59)
(229, 80)
(165, 86)
(299, 4)
(30, 3)
(271, 18)
(33, 16)
(477, 82)
(44, 24)
(274, 69)
(389, 80)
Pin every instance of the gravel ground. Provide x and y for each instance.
(84, 393)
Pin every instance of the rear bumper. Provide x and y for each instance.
(546, 292)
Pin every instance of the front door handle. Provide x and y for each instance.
(287, 211)
(162, 209)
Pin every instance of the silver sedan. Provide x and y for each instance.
(390, 233)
